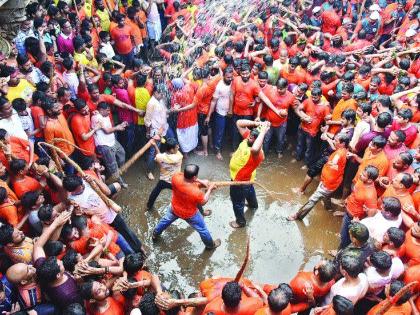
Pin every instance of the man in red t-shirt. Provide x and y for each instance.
(186, 197)
(80, 126)
(123, 36)
(282, 100)
(244, 91)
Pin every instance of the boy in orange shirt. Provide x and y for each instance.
(8, 211)
(331, 176)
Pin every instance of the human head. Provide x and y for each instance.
(147, 304)
(191, 171)
(6, 109)
(133, 263)
(325, 271)
(402, 161)
(81, 107)
(404, 116)
(381, 260)
(350, 265)
(402, 181)
(394, 287)
(73, 183)
(245, 72)
(21, 274)
(391, 206)
(231, 294)
(104, 109)
(228, 75)
(94, 290)
(377, 144)
(278, 300)
(383, 120)
(172, 145)
(342, 305)
(348, 118)
(10, 235)
(359, 233)
(396, 138)
(50, 270)
(395, 236)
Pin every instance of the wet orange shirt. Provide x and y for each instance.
(333, 171)
(84, 94)
(279, 101)
(380, 161)
(26, 184)
(244, 96)
(80, 124)
(317, 112)
(362, 195)
(404, 309)
(266, 311)
(247, 306)
(186, 196)
(411, 274)
(10, 193)
(9, 213)
(411, 249)
(338, 110)
(58, 128)
(37, 112)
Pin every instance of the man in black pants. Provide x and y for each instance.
(170, 163)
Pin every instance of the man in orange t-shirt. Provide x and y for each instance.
(18, 147)
(410, 250)
(312, 113)
(105, 301)
(8, 211)
(123, 36)
(340, 305)
(235, 299)
(361, 201)
(282, 101)
(244, 91)
(400, 307)
(346, 102)
(186, 197)
(80, 125)
(278, 303)
(331, 176)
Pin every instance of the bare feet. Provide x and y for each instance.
(339, 213)
(297, 191)
(219, 156)
(292, 217)
(235, 225)
(333, 252)
(337, 202)
(199, 153)
(206, 212)
(150, 176)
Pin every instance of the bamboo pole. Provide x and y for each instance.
(396, 297)
(110, 203)
(245, 262)
(239, 183)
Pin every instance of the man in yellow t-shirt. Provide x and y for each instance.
(19, 88)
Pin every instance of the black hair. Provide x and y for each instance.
(282, 83)
(396, 236)
(72, 182)
(141, 80)
(379, 141)
(351, 264)
(407, 180)
(17, 165)
(67, 63)
(406, 157)
(349, 114)
(316, 92)
(3, 133)
(80, 222)
(405, 113)
(263, 75)
(47, 272)
(191, 170)
(401, 136)
(53, 248)
(366, 108)
(3, 194)
(70, 260)
(6, 234)
(359, 231)
(79, 104)
(381, 260)
(327, 271)
(29, 199)
(85, 290)
(19, 104)
(395, 287)
(45, 212)
(147, 304)
(231, 294)
(133, 263)
(103, 105)
(342, 305)
(372, 172)
(392, 205)
(383, 119)
(278, 300)
(171, 143)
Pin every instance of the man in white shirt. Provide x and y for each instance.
(221, 105)
(156, 122)
(389, 216)
(10, 121)
(111, 151)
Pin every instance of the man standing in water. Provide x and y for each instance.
(186, 198)
(243, 165)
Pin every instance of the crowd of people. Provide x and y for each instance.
(88, 83)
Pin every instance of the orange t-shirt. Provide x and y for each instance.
(58, 128)
(411, 249)
(9, 213)
(317, 113)
(247, 306)
(122, 39)
(411, 274)
(37, 112)
(298, 286)
(338, 110)
(244, 95)
(333, 171)
(139, 276)
(80, 124)
(26, 184)
(407, 204)
(212, 288)
(380, 161)
(84, 95)
(115, 308)
(186, 196)
(295, 77)
(204, 95)
(362, 195)
(266, 311)
(138, 37)
(404, 309)
(279, 101)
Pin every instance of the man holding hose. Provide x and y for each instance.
(243, 165)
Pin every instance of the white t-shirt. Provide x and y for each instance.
(106, 48)
(100, 137)
(73, 82)
(378, 225)
(13, 126)
(169, 165)
(28, 123)
(353, 293)
(397, 268)
(376, 280)
(361, 128)
(222, 93)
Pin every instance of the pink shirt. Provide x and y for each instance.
(124, 114)
(65, 43)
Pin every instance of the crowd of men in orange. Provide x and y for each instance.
(98, 79)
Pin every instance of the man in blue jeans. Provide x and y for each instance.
(186, 198)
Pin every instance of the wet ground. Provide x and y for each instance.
(278, 248)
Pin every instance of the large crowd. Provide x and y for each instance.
(88, 83)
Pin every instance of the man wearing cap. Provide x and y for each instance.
(370, 25)
(243, 165)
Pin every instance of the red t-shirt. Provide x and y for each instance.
(186, 196)
(80, 124)
(244, 95)
(332, 175)
(279, 101)
(317, 112)
(362, 195)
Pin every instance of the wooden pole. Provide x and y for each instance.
(110, 203)
(396, 297)
(239, 183)
(245, 262)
